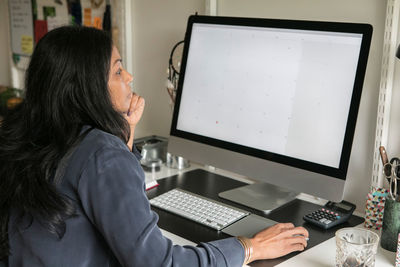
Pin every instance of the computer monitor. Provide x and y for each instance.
(274, 100)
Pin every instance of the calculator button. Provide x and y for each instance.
(322, 220)
(327, 221)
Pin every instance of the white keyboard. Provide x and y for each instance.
(197, 208)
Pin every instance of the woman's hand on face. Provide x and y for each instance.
(278, 240)
(135, 111)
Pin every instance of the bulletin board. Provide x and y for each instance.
(30, 20)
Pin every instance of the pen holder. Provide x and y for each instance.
(374, 208)
(391, 224)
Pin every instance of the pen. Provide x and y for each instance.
(385, 161)
(384, 156)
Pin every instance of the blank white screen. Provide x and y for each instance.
(279, 90)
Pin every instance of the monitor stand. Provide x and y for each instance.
(260, 196)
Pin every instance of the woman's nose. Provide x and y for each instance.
(129, 77)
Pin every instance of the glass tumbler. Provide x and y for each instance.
(356, 247)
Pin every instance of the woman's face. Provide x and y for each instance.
(118, 83)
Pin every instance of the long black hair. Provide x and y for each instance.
(66, 88)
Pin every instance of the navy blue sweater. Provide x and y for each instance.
(114, 225)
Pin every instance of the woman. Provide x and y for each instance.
(72, 192)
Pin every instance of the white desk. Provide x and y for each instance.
(318, 256)
(323, 255)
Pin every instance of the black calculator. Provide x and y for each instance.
(331, 214)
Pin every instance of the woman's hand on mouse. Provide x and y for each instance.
(278, 240)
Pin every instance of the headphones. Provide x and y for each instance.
(174, 65)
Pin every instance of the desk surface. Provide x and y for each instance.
(209, 184)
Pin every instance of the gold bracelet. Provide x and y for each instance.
(248, 248)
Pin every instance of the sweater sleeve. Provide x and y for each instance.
(111, 189)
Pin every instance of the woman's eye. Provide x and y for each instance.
(119, 72)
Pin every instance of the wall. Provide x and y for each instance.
(157, 26)
(154, 39)
(4, 45)
(393, 147)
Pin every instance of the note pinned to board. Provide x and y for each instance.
(87, 17)
(21, 27)
(54, 22)
(40, 29)
(97, 23)
(27, 44)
